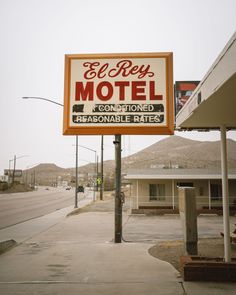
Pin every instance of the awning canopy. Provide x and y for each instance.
(213, 105)
(167, 174)
(213, 102)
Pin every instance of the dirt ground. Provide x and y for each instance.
(107, 205)
(170, 251)
(17, 188)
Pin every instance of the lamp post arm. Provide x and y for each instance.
(42, 98)
(87, 148)
(18, 158)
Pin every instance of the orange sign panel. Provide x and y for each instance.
(118, 94)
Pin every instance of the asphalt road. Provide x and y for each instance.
(19, 207)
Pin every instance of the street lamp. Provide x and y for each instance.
(101, 187)
(26, 174)
(14, 167)
(95, 163)
(76, 157)
(91, 151)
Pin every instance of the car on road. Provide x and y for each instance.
(80, 189)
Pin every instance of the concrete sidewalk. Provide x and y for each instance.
(77, 256)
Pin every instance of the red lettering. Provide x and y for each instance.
(90, 73)
(120, 69)
(153, 96)
(144, 71)
(137, 90)
(124, 68)
(105, 90)
(100, 94)
(102, 70)
(83, 93)
(134, 70)
(122, 86)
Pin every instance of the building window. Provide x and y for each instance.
(157, 192)
(216, 191)
(185, 184)
(201, 191)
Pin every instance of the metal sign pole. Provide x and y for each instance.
(118, 203)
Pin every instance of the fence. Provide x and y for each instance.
(172, 202)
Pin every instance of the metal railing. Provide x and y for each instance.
(173, 202)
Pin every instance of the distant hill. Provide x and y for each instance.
(172, 152)
(46, 174)
(176, 151)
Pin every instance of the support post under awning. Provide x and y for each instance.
(225, 195)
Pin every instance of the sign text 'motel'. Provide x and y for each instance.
(118, 94)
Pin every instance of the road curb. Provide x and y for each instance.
(76, 211)
(6, 245)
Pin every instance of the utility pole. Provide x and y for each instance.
(76, 172)
(118, 203)
(9, 172)
(97, 175)
(34, 179)
(101, 185)
(26, 177)
(13, 174)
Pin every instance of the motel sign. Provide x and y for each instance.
(118, 94)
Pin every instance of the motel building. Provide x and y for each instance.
(210, 107)
(156, 190)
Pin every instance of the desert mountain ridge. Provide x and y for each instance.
(171, 152)
(179, 152)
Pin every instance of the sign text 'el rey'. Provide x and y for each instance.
(123, 94)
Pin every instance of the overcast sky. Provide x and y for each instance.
(36, 34)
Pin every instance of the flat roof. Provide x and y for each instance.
(177, 174)
(213, 103)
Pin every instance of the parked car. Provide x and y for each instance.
(80, 189)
